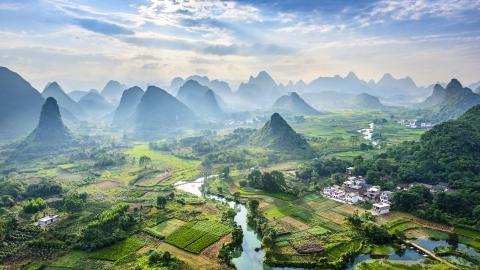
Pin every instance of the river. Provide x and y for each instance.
(249, 258)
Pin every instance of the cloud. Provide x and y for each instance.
(103, 27)
(151, 66)
(247, 50)
(403, 10)
(9, 6)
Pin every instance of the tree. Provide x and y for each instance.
(236, 196)
(453, 240)
(267, 241)
(225, 172)
(253, 205)
(6, 201)
(74, 201)
(144, 161)
(34, 205)
(161, 202)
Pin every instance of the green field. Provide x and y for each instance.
(466, 232)
(195, 236)
(182, 169)
(165, 228)
(117, 250)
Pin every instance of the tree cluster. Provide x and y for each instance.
(269, 181)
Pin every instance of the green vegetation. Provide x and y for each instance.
(195, 236)
(117, 250)
(119, 207)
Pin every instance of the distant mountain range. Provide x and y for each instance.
(128, 104)
(159, 112)
(219, 87)
(53, 89)
(113, 91)
(95, 104)
(20, 104)
(200, 99)
(292, 103)
(76, 95)
(365, 101)
(259, 92)
(450, 102)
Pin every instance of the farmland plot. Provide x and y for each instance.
(195, 236)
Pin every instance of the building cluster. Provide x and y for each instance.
(356, 190)
(415, 123)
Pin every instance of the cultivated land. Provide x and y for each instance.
(308, 227)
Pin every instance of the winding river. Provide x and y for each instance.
(249, 258)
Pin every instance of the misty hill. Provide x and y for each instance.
(475, 87)
(128, 103)
(259, 91)
(200, 99)
(93, 103)
(366, 101)
(349, 84)
(20, 104)
(50, 136)
(76, 95)
(388, 86)
(220, 88)
(50, 129)
(53, 89)
(329, 100)
(293, 103)
(477, 91)
(158, 111)
(113, 91)
(452, 101)
(277, 134)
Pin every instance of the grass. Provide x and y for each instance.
(467, 232)
(167, 227)
(182, 169)
(436, 234)
(281, 196)
(403, 227)
(117, 250)
(195, 236)
(382, 250)
(78, 260)
(444, 236)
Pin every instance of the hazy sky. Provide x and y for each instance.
(84, 43)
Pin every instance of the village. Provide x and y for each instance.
(356, 190)
(415, 123)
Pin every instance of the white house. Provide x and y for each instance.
(386, 197)
(352, 197)
(380, 209)
(48, 220)
(372, 193)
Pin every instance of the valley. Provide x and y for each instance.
(192, 197)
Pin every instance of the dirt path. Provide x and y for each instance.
(211, 252)
(196, 261)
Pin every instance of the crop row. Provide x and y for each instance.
(196, 236)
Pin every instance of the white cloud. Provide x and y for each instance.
(401, 10)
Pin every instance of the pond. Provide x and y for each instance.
(430, 245)
(250, 259)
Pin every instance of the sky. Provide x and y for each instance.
(84, 43)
